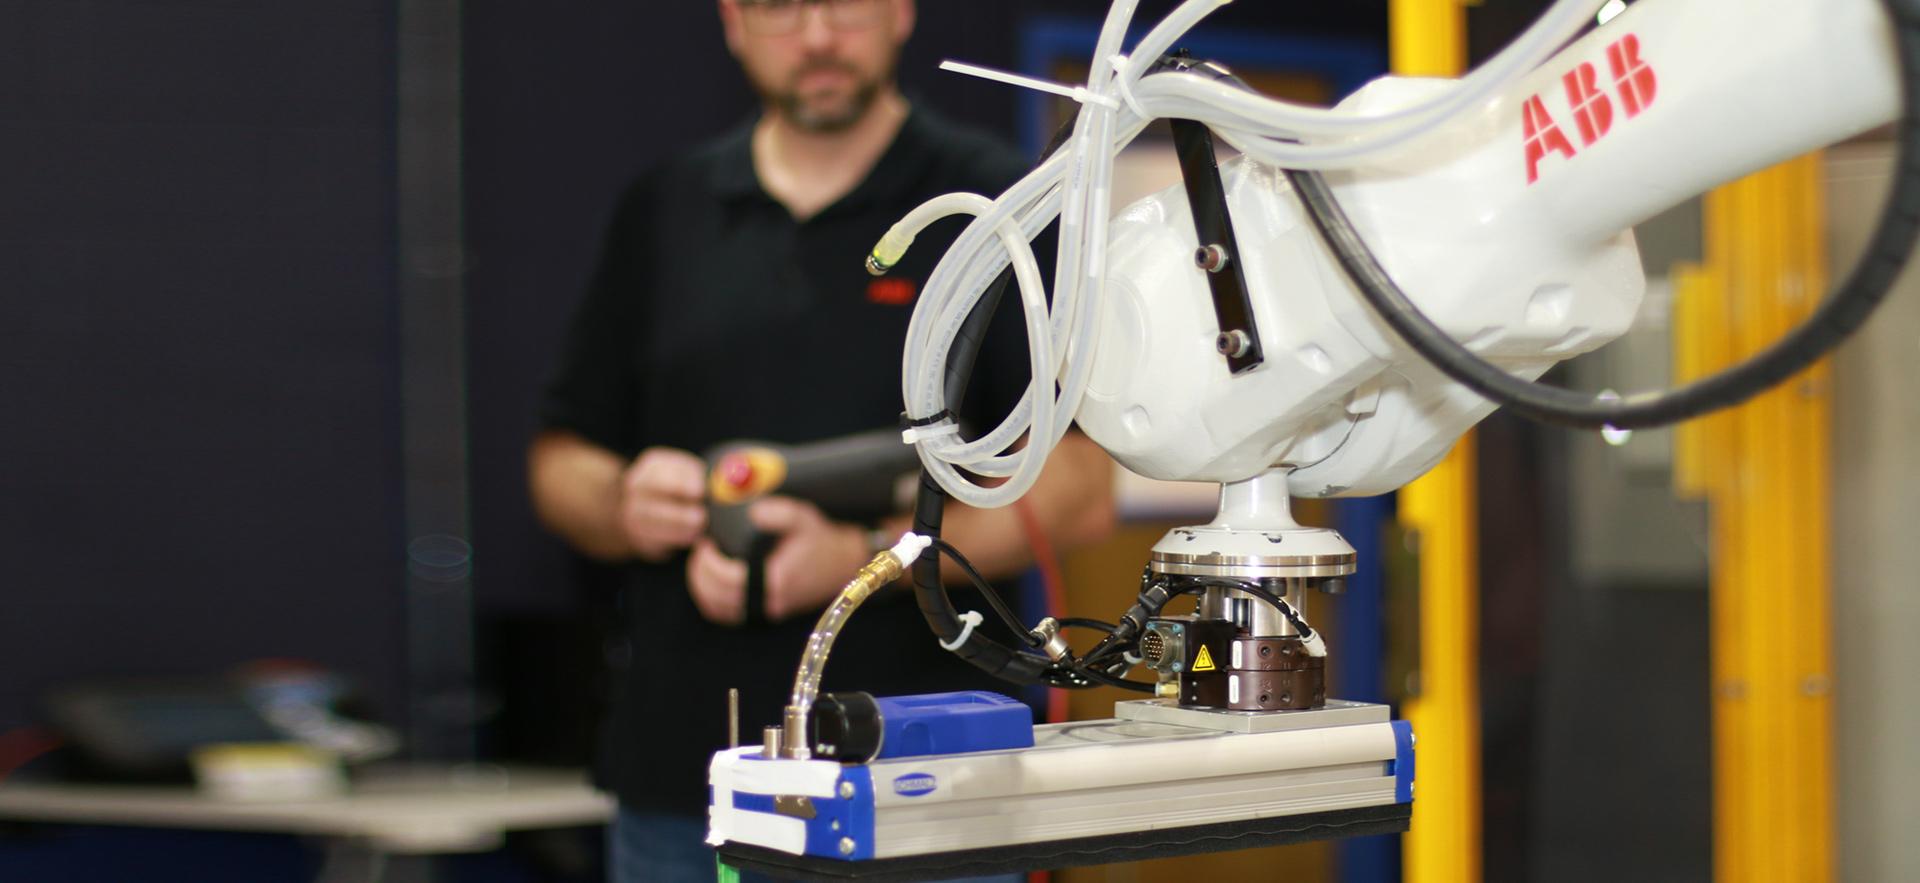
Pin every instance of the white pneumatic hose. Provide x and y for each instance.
(1081, 265)
(1026, 270)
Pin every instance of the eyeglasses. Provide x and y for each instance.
(780, 18)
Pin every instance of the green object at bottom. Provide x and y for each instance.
(727, 872)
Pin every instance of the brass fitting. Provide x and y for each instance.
(885, 567)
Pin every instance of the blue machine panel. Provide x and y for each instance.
(1402, 762)
(951, 723)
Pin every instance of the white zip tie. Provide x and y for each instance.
(1119, 63)
(972, 618)
(913, 434)
(1077, 93)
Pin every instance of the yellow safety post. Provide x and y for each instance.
(1763, 468)
(1443, 843)
(1429, 38)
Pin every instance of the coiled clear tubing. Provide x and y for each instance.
(1074, 185)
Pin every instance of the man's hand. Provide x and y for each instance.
(813, 559)
(661, 508)
(717, 583)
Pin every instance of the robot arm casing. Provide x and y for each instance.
(1338, 397)
(1502, 227)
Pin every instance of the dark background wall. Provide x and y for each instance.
(198, 419)
(199, 347)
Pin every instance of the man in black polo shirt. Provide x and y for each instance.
(730, 302)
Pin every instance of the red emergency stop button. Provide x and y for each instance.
(745, 473)
(737, 471)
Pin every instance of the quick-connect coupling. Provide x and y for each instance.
(889, 250)
(1051, 641)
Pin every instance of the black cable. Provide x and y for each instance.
(1258, 591)
(1837, 318)
(1195, 585)
(992, 594)
(1155, 592)
(929, 511)
(929, 508)
(1106, 680)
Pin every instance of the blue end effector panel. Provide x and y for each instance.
(952, 723)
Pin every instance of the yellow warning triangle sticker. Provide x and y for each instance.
(1203, 662)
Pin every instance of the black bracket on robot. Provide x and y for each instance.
(1219, 253)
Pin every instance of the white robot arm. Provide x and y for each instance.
(1510, 229)
(1508, 221)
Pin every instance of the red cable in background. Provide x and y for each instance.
(20, 746)
(1055, 591)
(1052, 586)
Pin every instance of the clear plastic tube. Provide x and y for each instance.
(1014, 239)
(926, 359)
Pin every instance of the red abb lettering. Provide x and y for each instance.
(1541, 135)
(1592, 112)
(1632, 77)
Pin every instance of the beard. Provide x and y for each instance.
(825, 113)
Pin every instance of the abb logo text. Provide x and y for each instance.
(1592, 106)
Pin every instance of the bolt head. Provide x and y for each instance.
(846, 790)
(1211, 258)
(1231, 343)
(846, 846)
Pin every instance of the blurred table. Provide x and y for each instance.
(389, 811)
